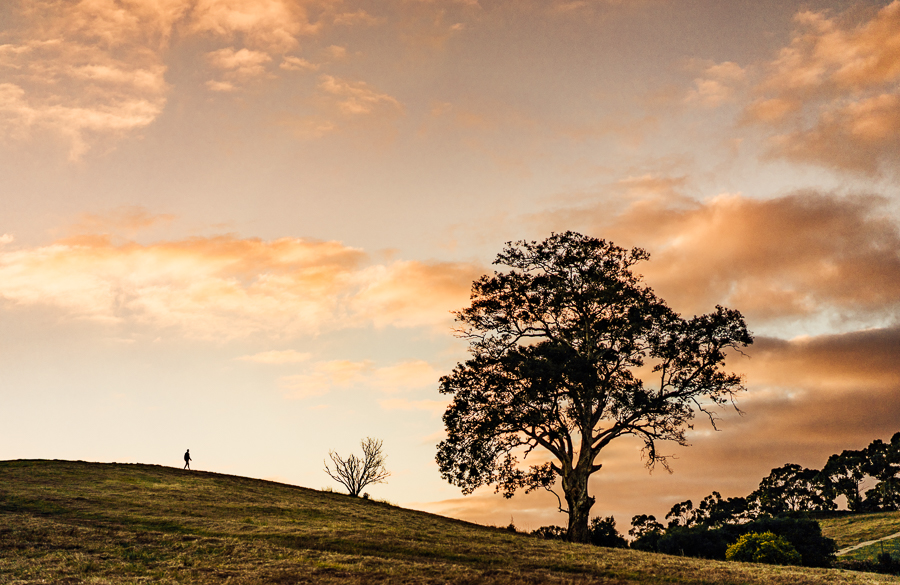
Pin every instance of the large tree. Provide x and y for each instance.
(569, 351)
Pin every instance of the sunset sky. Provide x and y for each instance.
(241, 226)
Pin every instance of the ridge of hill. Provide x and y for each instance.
(78, 522)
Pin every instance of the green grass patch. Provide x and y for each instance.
(853, 529)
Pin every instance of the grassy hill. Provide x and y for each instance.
(853, 529)
(76, 522)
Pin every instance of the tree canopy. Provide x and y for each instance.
(569, 351)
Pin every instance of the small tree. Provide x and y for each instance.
(356, 473)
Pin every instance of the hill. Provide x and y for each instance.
(864, 536)
(73, 522)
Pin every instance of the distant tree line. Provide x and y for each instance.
(792, 488)
(780, 508)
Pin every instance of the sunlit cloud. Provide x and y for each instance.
(324, 377)
(297, 64)
(355, 98)
(800, 256)
(717, 85)
(833, 95)
(126, 220)
(265, 24)
(225, 287)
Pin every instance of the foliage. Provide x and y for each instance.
(603, 533)
(556, 343)
(766, 547)
(791, 488)
(646, 532)
(845, 474)
(695, 541)
(884, 465)
(804, 534)
(551, 532)
(355, 473)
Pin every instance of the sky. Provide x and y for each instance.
(241, 226)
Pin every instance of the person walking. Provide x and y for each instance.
(187, 459)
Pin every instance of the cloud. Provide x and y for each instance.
(358, 17)
(297, 64)
(237, 66)
(717, 85)
(94, 70)
(341, 105)
(86, 70)
(225, 287)
(406, 292)
(126, 220)
(286, 356)
(323, 377)
(799, 255)
(271, 25)
(833, 94)
(806, 255)
(356, 98)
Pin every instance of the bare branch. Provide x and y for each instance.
(356, 473)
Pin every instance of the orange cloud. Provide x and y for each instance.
(717, 85)
(803, 255)
(268, 24)
(126, 220)
(86, 69)
(834, 92)
(225, 287)
(357, 98)
(323, 377)
(405, 293)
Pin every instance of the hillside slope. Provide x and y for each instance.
(73, 522)
(854, 528)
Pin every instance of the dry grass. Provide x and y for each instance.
(75, 522)
(852, 529)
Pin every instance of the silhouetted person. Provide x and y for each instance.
(187, 459)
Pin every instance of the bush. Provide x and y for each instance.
(767, 548)
(696, 541)
(602, 532)
(803, 534)
(648, 541)
(550, 532)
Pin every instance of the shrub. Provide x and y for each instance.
(550, 532)
(767, 547)
(803, 534)
(696, 541)
(602, 532)
(648, 541)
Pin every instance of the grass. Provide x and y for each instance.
(852, 529)
(76, 522)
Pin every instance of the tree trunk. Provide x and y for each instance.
(575, 487)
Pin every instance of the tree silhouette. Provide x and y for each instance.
(569, 351)
(355, 473)
(791, 488)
